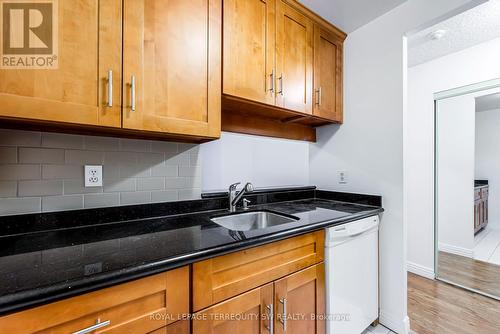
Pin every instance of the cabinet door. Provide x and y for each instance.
(248, 313)
(249, 49)
(179, 327)
(139, 306)
(171, 69)
(327, 74)
(294, 59)
(299, 298)
(89, 44)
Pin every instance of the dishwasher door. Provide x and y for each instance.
(351, 259)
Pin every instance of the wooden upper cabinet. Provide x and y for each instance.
(172, 66)
(327, 74)
(252, 308)
(249, 49)
(88, 42)
(294, 59)
(298, 298)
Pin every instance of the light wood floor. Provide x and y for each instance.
(438, 308)
(474, 274)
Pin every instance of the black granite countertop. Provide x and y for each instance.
(41, 264)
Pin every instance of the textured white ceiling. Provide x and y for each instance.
(488, 102)
(349, 15)
(477, 25)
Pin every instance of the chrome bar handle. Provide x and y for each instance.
(98, 324)
(281, 84)
(272, 82)
(110, 88)
(270, 312)
(283, 318)
(132, 93)
(318, 97)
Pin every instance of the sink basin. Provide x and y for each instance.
(252, 220)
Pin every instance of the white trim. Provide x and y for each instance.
(417, 269)
(400, 326)
(494, 83)
(456, 250)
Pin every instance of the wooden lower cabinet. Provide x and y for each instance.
(179, 327)
(244, 314)
(142, 306)
(226, 276)
(300, 301)
(297, 300)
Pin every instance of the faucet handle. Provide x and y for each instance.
(233, 186)
(245, 203)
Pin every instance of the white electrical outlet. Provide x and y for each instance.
(93, 176)
(342, 176)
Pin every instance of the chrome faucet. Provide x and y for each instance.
(235, 197)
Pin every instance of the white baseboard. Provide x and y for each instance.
(399, 326)
(456, 250)
(420, 270)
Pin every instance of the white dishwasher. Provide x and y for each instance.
(351, 262)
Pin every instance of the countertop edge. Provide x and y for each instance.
(36, 297)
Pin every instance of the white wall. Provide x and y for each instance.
(455, 174)
(266, 162)
(488, 159)
(472, 65)
(369, 145)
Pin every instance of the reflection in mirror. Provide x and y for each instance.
(467, 190)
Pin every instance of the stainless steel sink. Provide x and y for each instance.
(252, 220)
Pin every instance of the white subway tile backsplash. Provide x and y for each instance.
(163, 147)
(194, 159)
(119, 185)
(151, 183)
(19, 172)
(60, 140)
(179, 159)
(40, 188)
(44, 171)
(185, 194)
(12, 206)
(41, 155)
(189, 171)
(19, 138)
(101, 200)
(164, 196)
(8, 155)
(170, 170)
(150, 158)
(134, 145)
(8, 188)
(189, 148)
(102, 143)
(83, 157)
(137, 197)
(78, 187)
(62, 172)
(120, 158)
(111, 172)
(128, 171)
(174, 183)
(58, 203)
